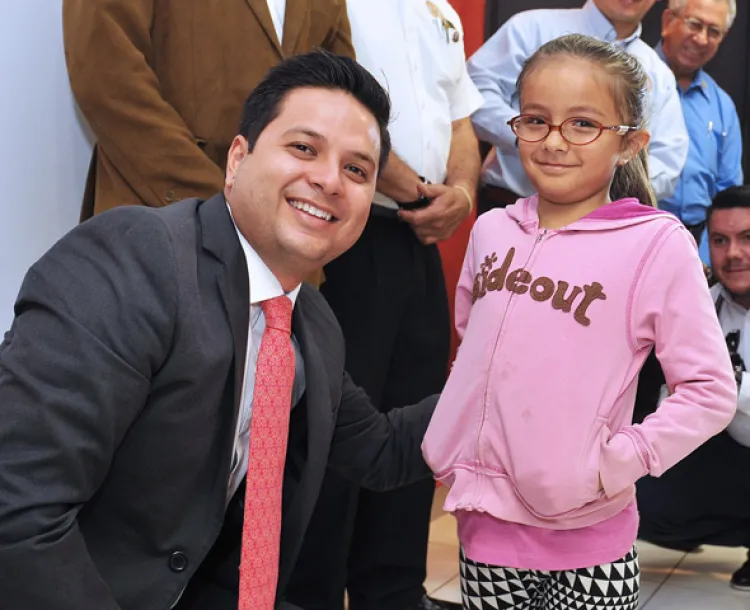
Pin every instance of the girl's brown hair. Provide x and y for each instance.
(631, 95)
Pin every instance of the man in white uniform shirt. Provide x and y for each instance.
(388, 293)
(495, 67)
(705, 499)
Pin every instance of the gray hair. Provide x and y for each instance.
(678, 5)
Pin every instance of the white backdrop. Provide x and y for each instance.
(45, 146)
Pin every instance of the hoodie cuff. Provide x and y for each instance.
(622, 463)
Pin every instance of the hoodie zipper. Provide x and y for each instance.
(542, 234)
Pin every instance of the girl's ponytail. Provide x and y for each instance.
(632, 180)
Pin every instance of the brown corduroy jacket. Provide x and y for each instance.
(162, 84)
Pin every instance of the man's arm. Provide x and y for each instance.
(494, 68)
(75, 371)
(398, 181)
(107, 46)
(379, 451)
(730, 156)
(669, 143)
(339, 41)
(454, 200)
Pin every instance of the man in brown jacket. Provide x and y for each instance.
(162, 84)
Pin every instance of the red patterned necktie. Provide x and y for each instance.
(269, 429)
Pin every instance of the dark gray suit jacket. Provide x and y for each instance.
(119, 391)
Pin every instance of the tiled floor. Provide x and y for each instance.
(669, 580)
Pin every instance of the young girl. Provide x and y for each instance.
(561, 298)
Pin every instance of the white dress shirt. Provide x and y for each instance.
(495, 67)
(416, 60)
(735, 317)
(263, 286)
(278, 10)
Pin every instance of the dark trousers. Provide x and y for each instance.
(697, 231)
(389, 295)
(491, 197)
(704, 499)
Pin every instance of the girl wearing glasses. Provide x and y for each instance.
(561, 298)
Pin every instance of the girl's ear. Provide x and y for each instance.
(635, 141)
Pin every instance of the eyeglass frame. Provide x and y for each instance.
(687, 19)
(619, 130)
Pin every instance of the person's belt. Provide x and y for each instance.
(380, 211)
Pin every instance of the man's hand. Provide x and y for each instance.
(441, 218)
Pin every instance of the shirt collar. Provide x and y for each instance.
(729, 301)
(263, 283)
(603, 28)
(699, 82)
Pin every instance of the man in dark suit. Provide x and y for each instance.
(126, 379)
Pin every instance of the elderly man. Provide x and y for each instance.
(495, 67)
(705, 499)
(692, 31)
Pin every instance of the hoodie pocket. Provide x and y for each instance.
(564, 481)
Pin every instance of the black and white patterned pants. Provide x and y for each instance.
(613, 586)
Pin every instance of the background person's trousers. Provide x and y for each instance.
(388, 293)
(704, 499)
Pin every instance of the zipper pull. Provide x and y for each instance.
(542, 233)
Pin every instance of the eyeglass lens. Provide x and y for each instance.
(575, 131)
(696, 26)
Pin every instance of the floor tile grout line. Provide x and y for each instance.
(664, 581)
(447, 582)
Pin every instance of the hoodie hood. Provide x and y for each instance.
(615, 215)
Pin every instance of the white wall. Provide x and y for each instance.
(44, 145)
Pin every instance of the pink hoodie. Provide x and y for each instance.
(555, 326)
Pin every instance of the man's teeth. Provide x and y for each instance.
(313, 211)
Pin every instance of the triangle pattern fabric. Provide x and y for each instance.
(611, 586)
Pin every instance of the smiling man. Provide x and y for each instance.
(705, 499)
(495, 67)
(167, 376)
(692, 31)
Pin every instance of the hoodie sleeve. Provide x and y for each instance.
(465, 289)
(672, 309)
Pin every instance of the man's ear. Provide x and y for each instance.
(635, 141)
(666, 19)
(237, 152)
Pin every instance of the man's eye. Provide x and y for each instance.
(303, 148)
(357, 170)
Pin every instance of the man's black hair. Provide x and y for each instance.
(733, 197)
(317, 69)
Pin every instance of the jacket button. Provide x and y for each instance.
(178, 561)
(170, 196)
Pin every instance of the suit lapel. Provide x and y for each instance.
(319, 408)
(295, 17)
(319, 433)
(219, 237)
(263, 15)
